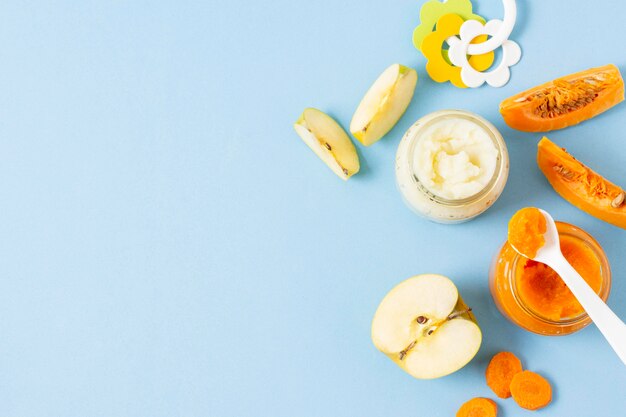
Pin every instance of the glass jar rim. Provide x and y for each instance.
(412, 135)
(605, 272)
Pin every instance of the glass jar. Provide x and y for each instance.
(503, 278)
(434, 207)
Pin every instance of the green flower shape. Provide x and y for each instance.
(432, 10)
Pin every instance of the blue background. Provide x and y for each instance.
(170, 247)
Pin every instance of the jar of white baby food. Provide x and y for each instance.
(451, 166)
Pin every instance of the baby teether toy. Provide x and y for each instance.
(511, 54)
(499, 32)
(471, 52)
(510, 15)
(437, 67)
(431, 12)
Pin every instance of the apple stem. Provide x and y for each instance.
(406, 350)
(458, 313)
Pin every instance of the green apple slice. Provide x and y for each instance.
(425, 327)
(329, 141)
(384, 103)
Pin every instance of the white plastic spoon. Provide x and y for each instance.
(613, 329)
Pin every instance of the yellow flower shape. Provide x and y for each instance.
(432, 10)
(437, 67)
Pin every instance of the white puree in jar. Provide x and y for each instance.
(451, 166)
(455, 158)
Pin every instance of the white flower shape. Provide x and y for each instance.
(511, 54)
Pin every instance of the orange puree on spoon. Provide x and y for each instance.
(526, 230)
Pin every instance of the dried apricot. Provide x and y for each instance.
(530, 390)
(500, 371)
(478, 407)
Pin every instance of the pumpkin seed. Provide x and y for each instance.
(618, 201)
(567, 96)
(564, 172)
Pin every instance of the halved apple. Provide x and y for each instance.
(329, 141)
(384, 103)
(425, 327)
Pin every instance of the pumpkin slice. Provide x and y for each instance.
(580, 185)
(565, 101)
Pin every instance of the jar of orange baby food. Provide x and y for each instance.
(534, 297)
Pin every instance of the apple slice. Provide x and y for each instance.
(329, 141)
(425, 327)
(384, 103)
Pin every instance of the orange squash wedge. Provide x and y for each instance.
(566, 101)
(580, 185)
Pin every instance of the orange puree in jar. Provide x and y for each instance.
(543, 291)
(534, 297)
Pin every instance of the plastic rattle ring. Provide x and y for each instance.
(511, 54)
(438, 68)
(503, 33)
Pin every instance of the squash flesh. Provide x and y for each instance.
(566, 101)
(580, 185)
